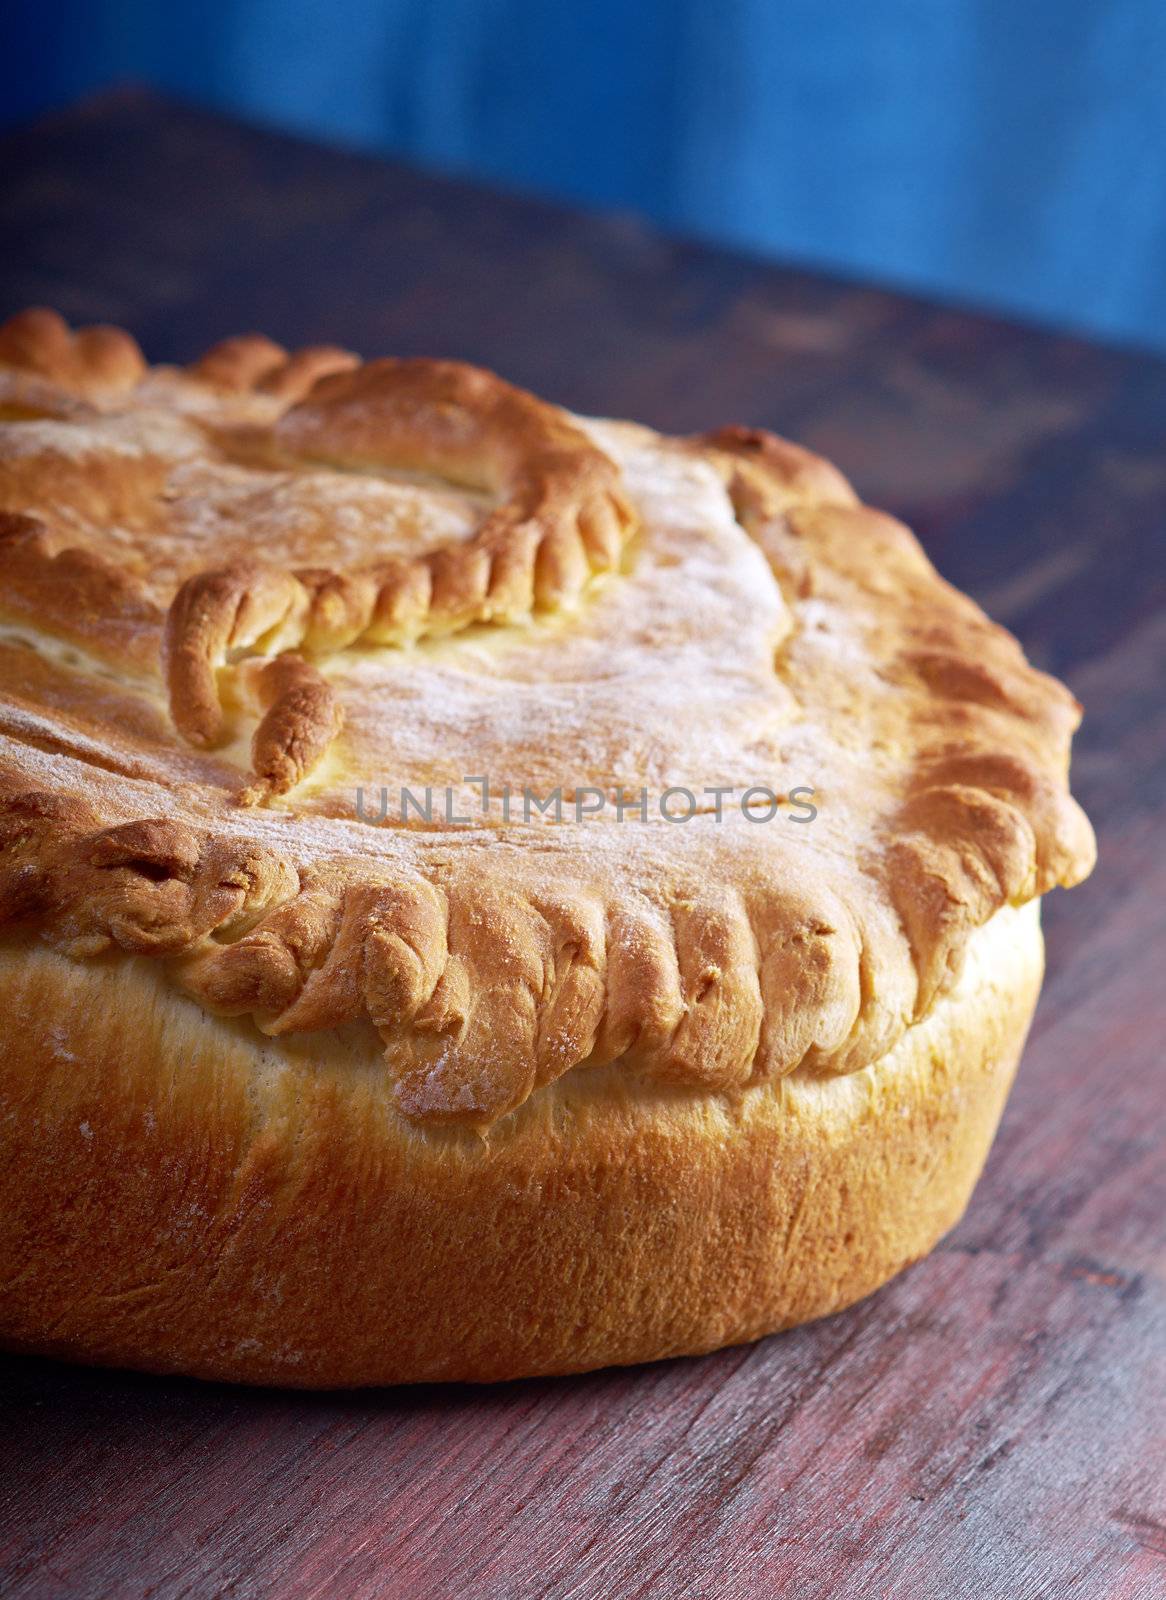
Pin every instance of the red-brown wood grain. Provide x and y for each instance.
(993, 1424)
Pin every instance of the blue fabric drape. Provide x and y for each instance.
(1010, 152)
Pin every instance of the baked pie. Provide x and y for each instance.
(485, 891)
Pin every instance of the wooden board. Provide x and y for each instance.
(993, 1424)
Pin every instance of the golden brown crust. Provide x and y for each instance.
(45, 580)
(212, 614)
(90, 359)
(301, 718)
(767, 472)
(252, 361)
(985, 818)
(564, 516)
(180, 1198)
(490, 959)
(291, 1094)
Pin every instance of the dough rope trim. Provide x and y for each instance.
(482, 993)
(564, 519)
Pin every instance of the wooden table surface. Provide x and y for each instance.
(992, 1424)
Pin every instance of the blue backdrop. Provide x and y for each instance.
(1007, 152)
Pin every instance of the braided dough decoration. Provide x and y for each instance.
(563, 519)
(770, 622)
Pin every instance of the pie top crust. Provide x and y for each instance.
(232, 595)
